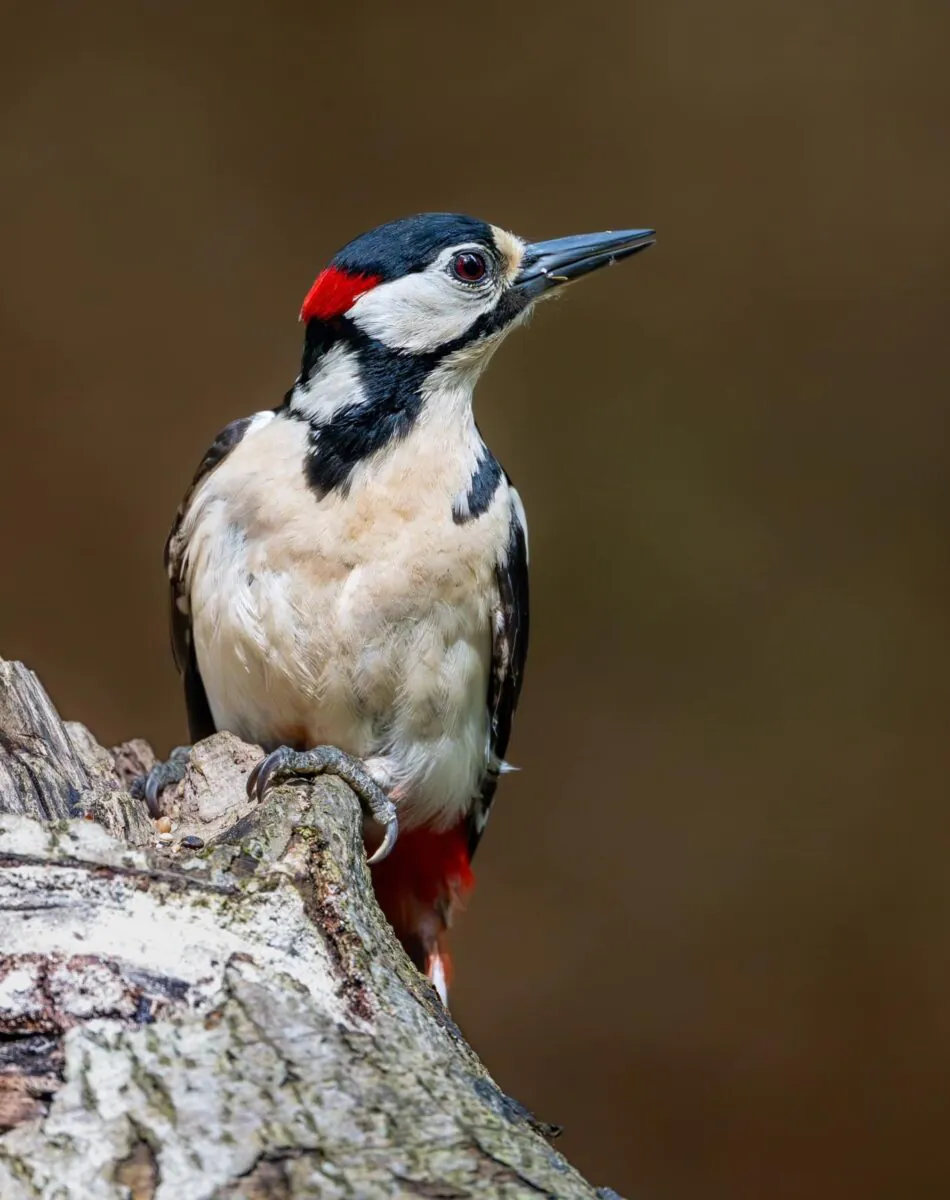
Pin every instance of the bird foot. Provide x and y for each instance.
(160, 777)
(328, 760)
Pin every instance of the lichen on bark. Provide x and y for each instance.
(223, 1023)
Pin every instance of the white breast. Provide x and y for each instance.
(360, 621)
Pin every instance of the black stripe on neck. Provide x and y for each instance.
(392, 386)
(481, 488)
(389, 407)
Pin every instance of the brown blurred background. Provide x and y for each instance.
(711, 930)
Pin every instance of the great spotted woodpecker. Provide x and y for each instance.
(349, 571)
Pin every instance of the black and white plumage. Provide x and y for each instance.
(351, 568)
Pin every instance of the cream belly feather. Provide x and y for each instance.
(363, 620)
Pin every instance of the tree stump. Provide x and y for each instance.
(221, 1012)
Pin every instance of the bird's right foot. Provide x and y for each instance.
(328, 760)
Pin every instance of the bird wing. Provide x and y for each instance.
(509, 653)
(200, 721)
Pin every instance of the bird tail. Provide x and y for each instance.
(419, 886)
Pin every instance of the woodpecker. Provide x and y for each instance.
(349, 570)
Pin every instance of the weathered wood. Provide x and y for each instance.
(41, 775)
(233, 1022)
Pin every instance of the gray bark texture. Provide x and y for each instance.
(220, 1011)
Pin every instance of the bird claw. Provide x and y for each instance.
(160, 777)
(328, 760)
(262, 773)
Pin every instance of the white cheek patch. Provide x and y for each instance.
(334, 385)
(420, 312)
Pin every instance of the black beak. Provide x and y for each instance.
(547, 264)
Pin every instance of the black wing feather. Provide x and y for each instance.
(200, 720)
(509, 654)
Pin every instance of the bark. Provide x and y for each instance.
(222, 1011)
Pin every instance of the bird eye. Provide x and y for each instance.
(469, 266)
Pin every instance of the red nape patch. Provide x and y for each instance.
(333, 293)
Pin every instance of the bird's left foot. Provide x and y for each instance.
(161, 776)
(328, 760)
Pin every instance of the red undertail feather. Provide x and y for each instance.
(333, 293)
(419, 886)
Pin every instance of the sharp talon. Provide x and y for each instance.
(389, 840)
(269, 767)
(163, 774)
(151, 791)
(281, 760)
(251, 785)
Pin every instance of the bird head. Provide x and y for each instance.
(446, 287)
